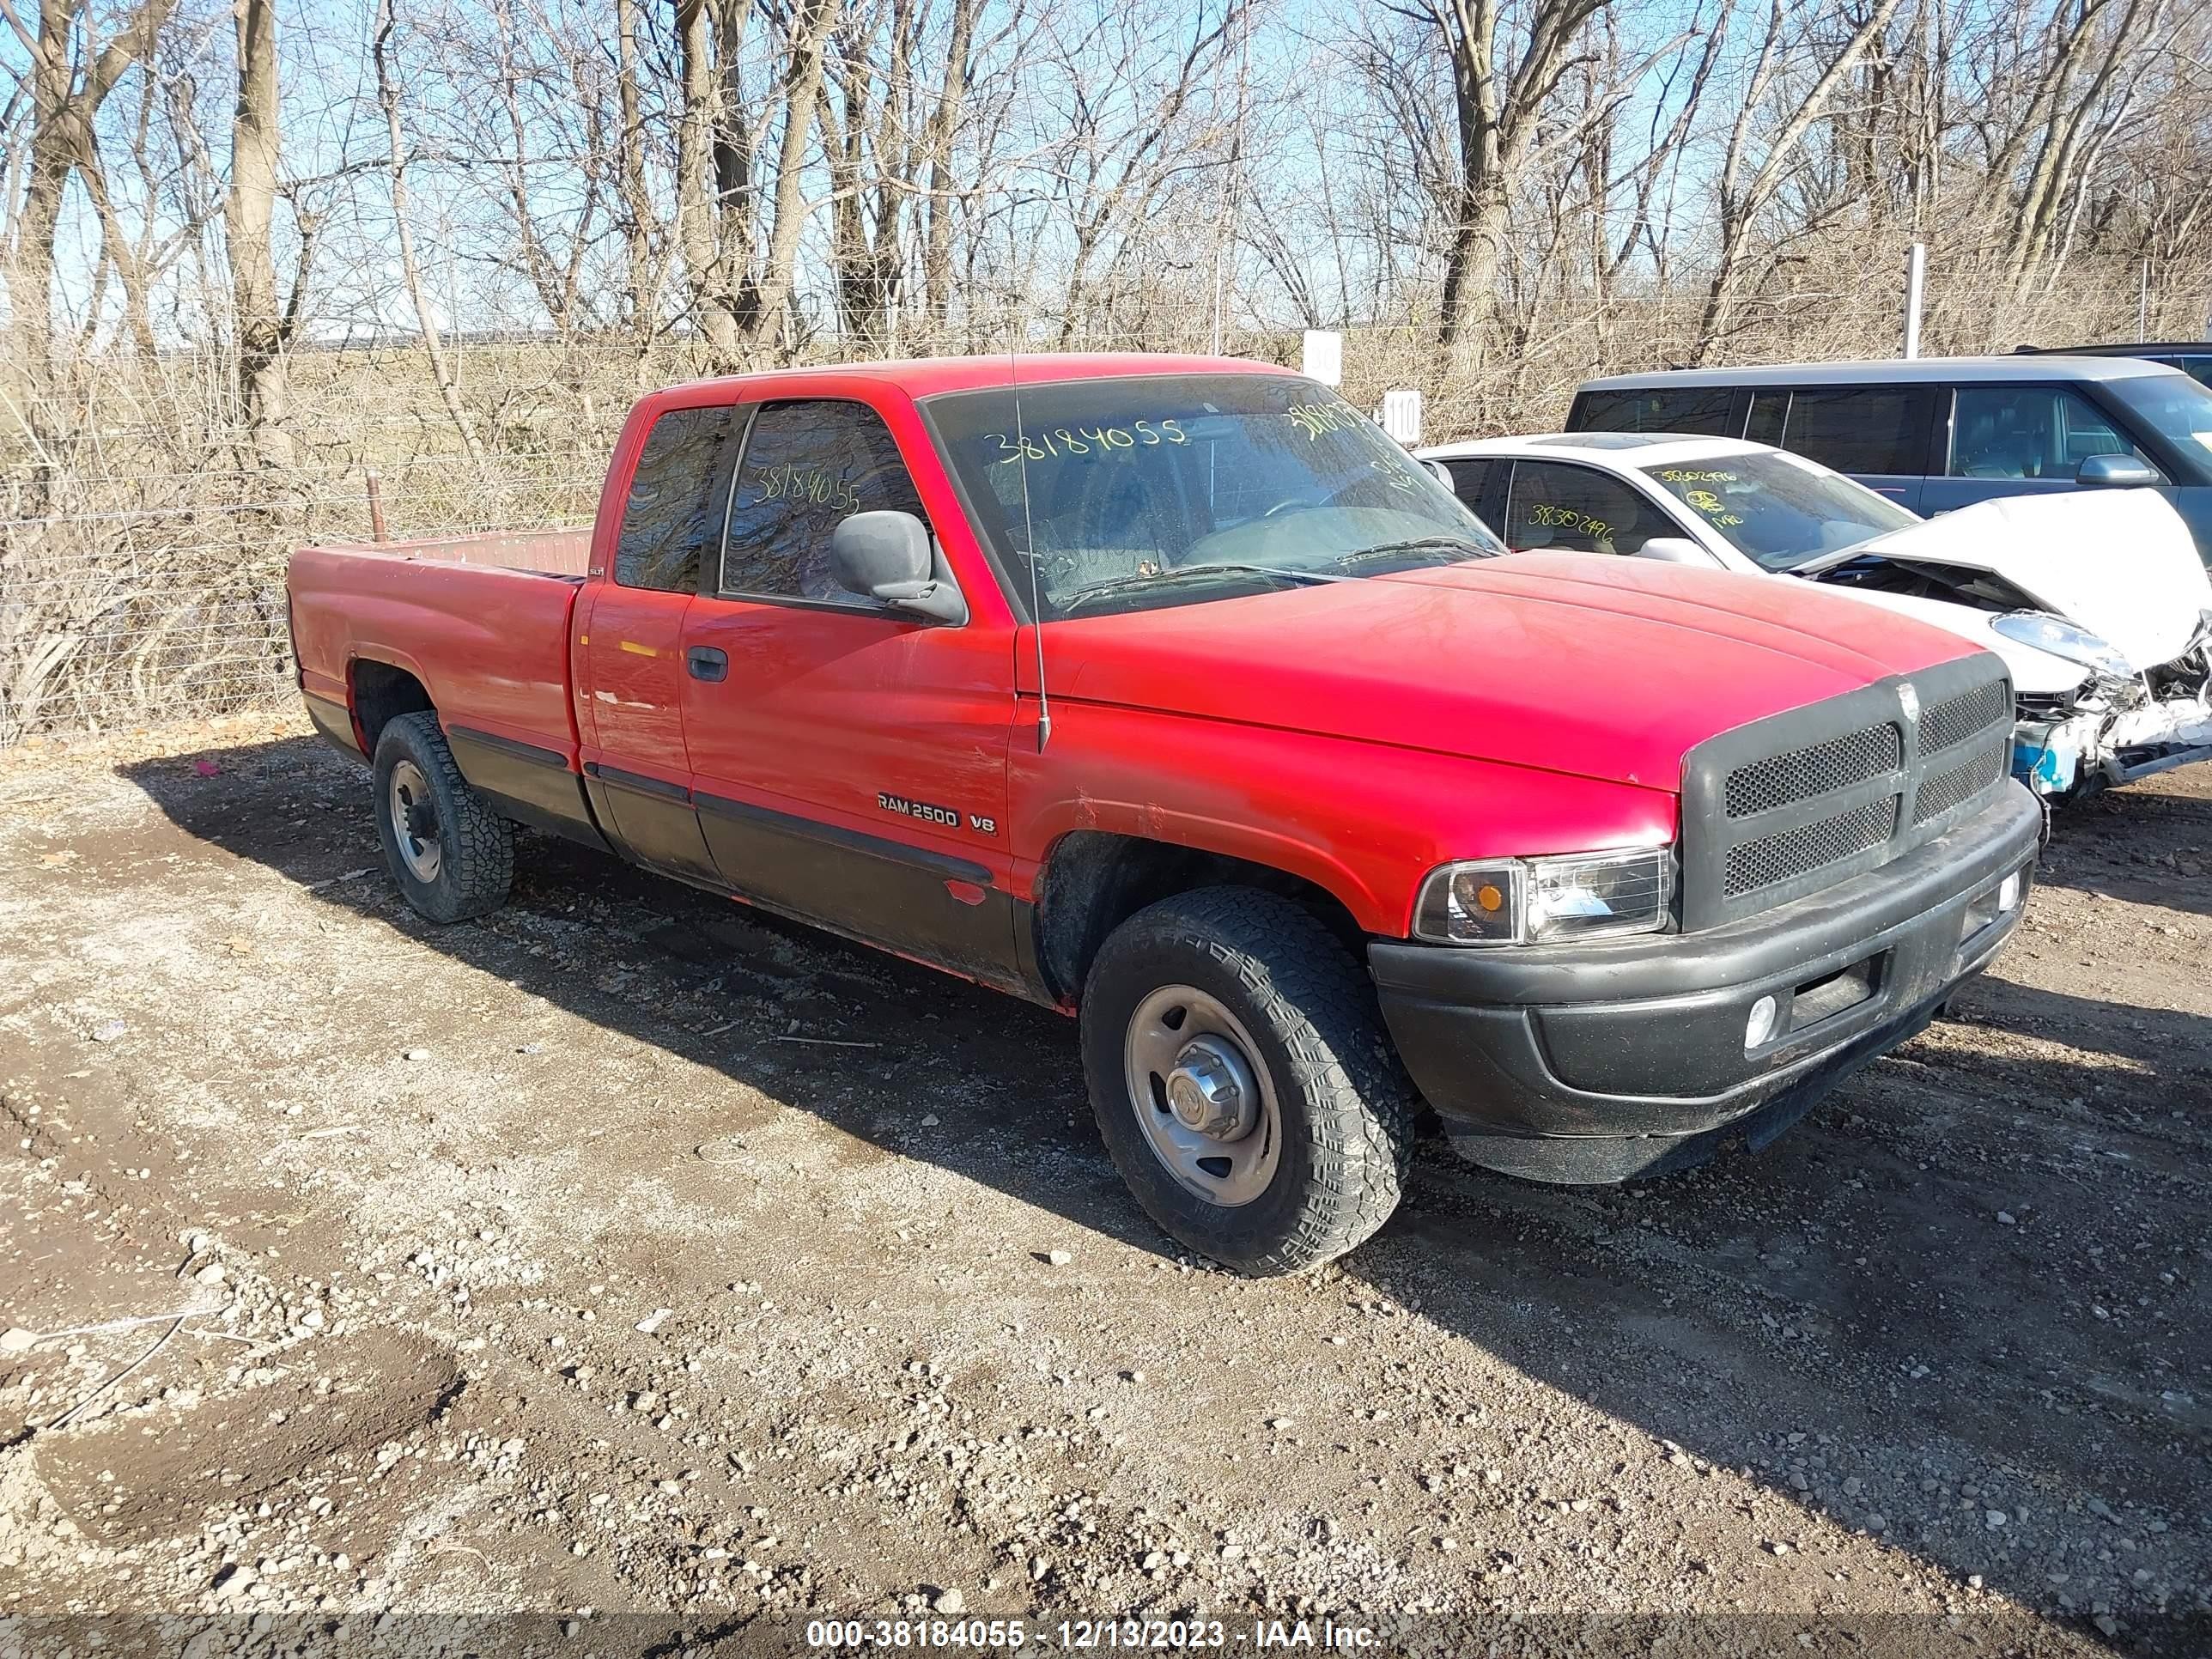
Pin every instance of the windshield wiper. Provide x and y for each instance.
(1083, 596)
(1412, 545)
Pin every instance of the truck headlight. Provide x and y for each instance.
(1530, 901)
(2063, 639)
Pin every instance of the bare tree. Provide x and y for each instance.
(1745, 184)
(739, 262)
(2100, 50)
(262, 330)
(641, 292)
(870, 132)
(1499, 88)
(72, 74)
(1141, 114)
(382, 50)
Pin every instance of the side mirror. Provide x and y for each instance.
(1442, 474)
(2117, 472)
(1674, 550)
(885, 557)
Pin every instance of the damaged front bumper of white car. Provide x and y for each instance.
(2111, 731)
(2078, 593)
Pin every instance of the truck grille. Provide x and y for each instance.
(1788, 806)
(1955, 785)
(1752, 864)
(1953, 720)
(1814, 770)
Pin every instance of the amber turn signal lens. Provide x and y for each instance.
(1472, 903)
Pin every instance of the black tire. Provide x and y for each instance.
(475, 846)
(1344, 1109)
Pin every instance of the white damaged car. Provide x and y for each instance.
(2096, 599)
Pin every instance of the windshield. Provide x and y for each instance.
(2177, 408)
(1776, 509)
(1175, 489)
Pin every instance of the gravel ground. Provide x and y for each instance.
(675, 1277)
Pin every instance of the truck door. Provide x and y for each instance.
(630, 637)
(848, 764)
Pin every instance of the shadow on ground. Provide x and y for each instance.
(1847, 1316)
(2149, 843)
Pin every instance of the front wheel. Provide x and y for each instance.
(452, 856)
(1241, 1082)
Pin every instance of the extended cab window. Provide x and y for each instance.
(1563, 509)
(2028, 432)
(1701, 410)
(809, 464)
(674, 512)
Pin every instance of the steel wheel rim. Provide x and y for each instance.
(415, 822)
(1181, 1046)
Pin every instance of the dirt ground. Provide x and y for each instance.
(673, 1277)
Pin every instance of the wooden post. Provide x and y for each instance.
(376, 508)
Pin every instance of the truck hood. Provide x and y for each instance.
(1604, 668)
(2119, 562)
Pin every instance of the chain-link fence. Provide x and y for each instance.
(141, 560)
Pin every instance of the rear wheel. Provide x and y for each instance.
(452, 856)
(1241, 1082)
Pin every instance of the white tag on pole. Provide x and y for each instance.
(1401, 415)
(1322, 359)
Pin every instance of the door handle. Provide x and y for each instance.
(706, 663)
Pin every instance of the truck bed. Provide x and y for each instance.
(481, 621)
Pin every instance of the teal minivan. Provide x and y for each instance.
(1936, 433)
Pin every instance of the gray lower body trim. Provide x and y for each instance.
(333, 722)
(527, 783)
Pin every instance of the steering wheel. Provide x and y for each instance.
(1294, 503)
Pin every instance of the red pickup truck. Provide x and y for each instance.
(1169, 693)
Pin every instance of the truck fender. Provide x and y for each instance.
(1105, 864)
